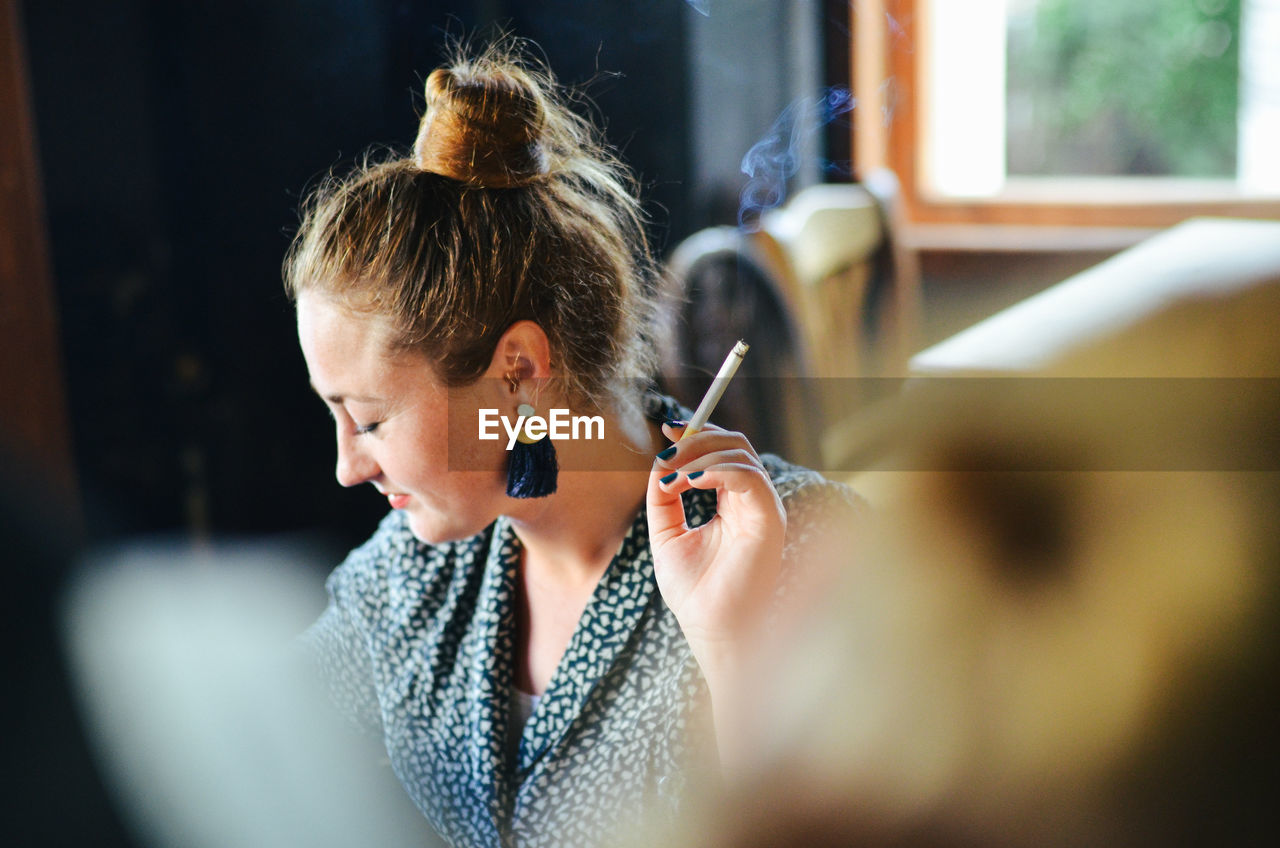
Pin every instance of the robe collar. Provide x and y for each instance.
(609, 620)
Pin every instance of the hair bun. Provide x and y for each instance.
(482, 128)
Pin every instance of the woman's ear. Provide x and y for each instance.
(523, 354)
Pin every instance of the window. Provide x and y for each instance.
(1111, 113)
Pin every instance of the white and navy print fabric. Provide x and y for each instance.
(416, 645)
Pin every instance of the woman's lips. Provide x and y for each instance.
(397, 501)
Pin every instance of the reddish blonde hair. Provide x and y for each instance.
(509, 208)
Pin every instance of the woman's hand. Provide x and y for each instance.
(720, 577)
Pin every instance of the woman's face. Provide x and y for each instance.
(395, 421)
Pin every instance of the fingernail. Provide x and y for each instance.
(695, 475)
(676, 424)
(668, 453)
(667, 480)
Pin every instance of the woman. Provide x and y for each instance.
(540, 667)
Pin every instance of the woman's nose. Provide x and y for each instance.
(355, 466)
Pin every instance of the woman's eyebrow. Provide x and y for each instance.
(339, 399)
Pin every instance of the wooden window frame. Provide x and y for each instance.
(33, 421)
(886, 47)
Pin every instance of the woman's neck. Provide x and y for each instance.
(573, 534)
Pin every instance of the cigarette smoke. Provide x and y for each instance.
(776, 158)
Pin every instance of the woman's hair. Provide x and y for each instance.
(508, 208)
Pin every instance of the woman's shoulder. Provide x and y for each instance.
(390, 544)
(819, 510)
(797, 484)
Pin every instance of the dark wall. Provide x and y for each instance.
(176, 139)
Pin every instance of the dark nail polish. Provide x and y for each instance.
(668, 453)
(695, 475)
(677, 424)
(672, 476)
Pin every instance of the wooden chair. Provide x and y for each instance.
(823, 291)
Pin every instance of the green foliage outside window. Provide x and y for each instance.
(1120, 87)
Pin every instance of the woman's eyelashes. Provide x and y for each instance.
(358, 429)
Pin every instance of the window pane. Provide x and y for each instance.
(1121, 88)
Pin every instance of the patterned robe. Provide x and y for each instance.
(417, 646)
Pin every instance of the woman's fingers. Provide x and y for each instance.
(711, 459)
(735, 458)
(693, 455)
(664, 507)
(706, 447)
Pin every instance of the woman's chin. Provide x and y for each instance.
(438, 529)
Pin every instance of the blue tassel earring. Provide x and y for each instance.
(531, 465)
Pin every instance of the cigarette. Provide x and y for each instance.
(718, 385)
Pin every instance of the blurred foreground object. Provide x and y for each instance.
(1067, 631)
(208, 727)
(48, 765)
